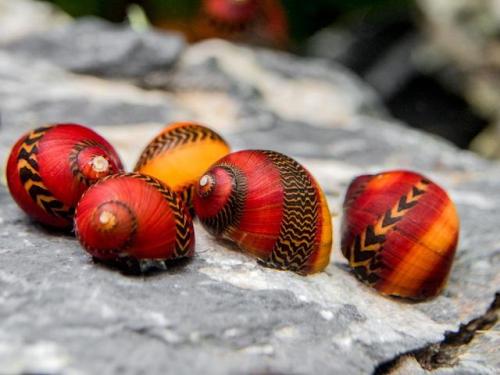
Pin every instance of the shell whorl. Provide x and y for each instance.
(231, 206)
(116, 224)
(89, 161)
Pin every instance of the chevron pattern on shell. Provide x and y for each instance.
(399, 233)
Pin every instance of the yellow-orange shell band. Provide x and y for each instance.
(184, 165)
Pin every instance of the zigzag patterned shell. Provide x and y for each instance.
(129, 215)
(400, 233)
(270, 206)
(50, 167)
(180, 154)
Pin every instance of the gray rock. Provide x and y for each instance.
(29, 98)
(221, 313)
(23, 17)
(91, 46)
(479, 356)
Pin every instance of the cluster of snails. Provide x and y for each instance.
(399, 229)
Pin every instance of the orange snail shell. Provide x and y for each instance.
(400, 233)
(180, 154)
(270, 206)
(49, 168)
(133, 216)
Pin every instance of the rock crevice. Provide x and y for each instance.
(447, 352)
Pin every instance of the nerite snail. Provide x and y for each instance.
(129, 215)
(50, 167)
(400, 233)
(270, 206)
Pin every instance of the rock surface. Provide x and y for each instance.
(221, 312)
(91, 46)
(22, 17)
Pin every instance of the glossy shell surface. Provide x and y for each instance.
(50, 167)
(130, 215)
(400, 233)
(270, 206)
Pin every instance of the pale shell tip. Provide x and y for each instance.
(107, 218)
(204, 180)
(100, 164)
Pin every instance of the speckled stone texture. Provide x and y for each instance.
(221, 313)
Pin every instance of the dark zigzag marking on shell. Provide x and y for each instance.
(29, 175)
(186, 194)
(230, 214)
(174, 138)
(371, 258)
(35, 135)
(184, 229)
(301, 209)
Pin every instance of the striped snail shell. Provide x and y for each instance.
(268, 205)
(400, 233)
(49, 168)
(180, 154)
(133, 216)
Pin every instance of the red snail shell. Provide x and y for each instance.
(257, 21)
(400, 233)
(49, 168)
(133, 216)
(270, 206)
(231, 11)
(180, 154)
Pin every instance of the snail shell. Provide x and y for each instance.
(260, 21)
(129, 215)
(400, 233)
(49, 168)
(231, 12)
(270, 206)
(180, 154)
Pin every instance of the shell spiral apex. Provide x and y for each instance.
(180, 154)
(134, 216)
(50, 167)
(268, 205)
(400, 233)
